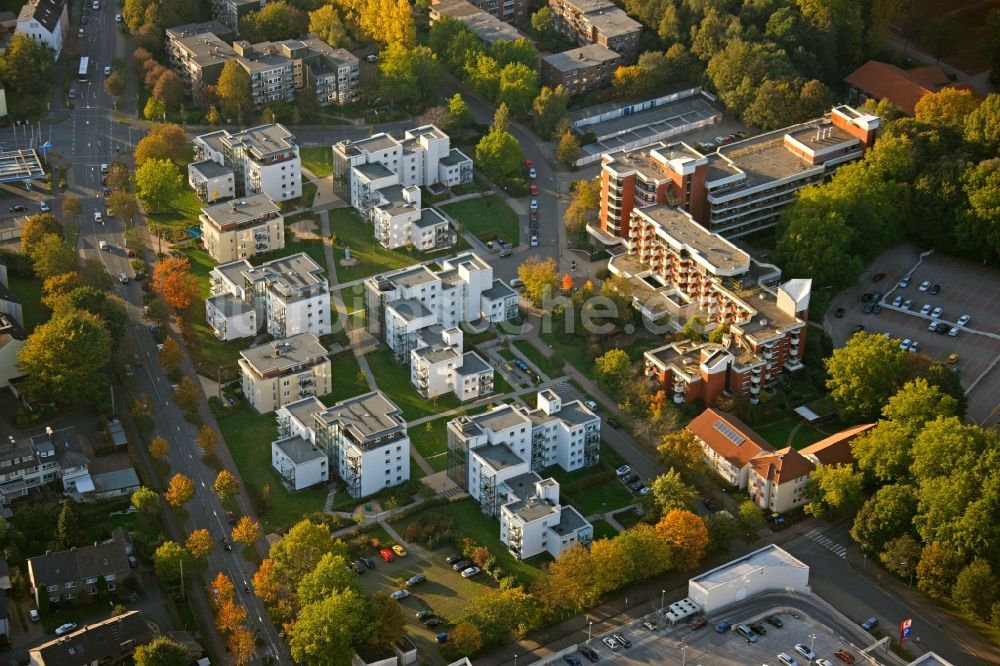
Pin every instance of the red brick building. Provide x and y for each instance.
(902, 87)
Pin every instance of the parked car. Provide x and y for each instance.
(528, 164)
(534, 204)
(823, 662)
(442, 637)
(419, 578)
(904, 345)
(758, 629)
(132, 561)
(226, 543)
(924, 286)
(697, 623)
(907, 303)
(936, 313)
(424, 614)
(709, 505)
(844, 656)
(359, 567)
(621, 639)
(386, 554)
(868, 308)
(963, 320)
(369, 562)
(230, 517)
(571, 660)
(925, 309)
(746, 632)
(775, 622)
(805, 651)
(44, 207)
(623, 471)
(107, 71)
(613, 422)
(722, 627)
(534, 238)
(399, 595)
(838, 313)
(98, 218)
(432, 622)
(869, 624)
(896, 302)
(371, 57)
(589, 652)
(532, 174)
(534, 190)
(878, 277)
(123, 278)
(905, 282)
(33, 615)
(471, 571)
(787, 659)
(630, 479)
(461, 565)
(64, 629)
(953, 331)
(914, 346)
(18, 208)
(952, 358)
(399, 550)
(610, 642)
(651, 625)
(934, 289)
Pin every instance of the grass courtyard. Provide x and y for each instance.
(28, 292)
(318, 159)
(394, 380)
(207, 352)
(346, 382)
(488, 218)
(548, 365)
(780, 434)
(182, 210)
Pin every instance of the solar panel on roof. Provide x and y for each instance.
(733, 436)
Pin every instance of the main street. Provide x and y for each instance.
(89, 138)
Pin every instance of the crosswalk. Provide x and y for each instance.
(827, 542)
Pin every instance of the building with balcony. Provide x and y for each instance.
(242, 228)
(197, 52)
(399, 221)
(777, 480)
(424, 157)
(46, 22)
(533, 521)
(109, 642)
(487, 449)
(597, 22)
(737, 190)
(300, 462)
(581, 69)
(263, 159)
(332, 74)
(488, 20)
(50, 457)
(229, 12)
(442, 367)
(363, 440)
(282, 297)
(284, 371)
(211, 181)
(80, 573)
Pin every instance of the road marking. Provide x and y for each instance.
(827, 542)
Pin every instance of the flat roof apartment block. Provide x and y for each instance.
(285, 371)
(598, 22)
(197, 52)
(486, 19)
(263, 159)
(581, 69)
(242, 228)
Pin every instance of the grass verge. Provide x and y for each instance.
(488, 218)
(318, 159)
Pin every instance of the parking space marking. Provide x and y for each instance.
(827, 542)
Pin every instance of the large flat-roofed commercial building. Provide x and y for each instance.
(282, 297)
(263, 159)
(242, 228)
(739, 189)
(598, 22)
(581, 69)
(197, 52)
(284, 371)
(489, 26)
(767, 569)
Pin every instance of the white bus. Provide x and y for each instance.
(84, 67)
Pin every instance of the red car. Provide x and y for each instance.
(698, 623)
(534, 190)
(844, 656)
(386, 554)
(528, 164)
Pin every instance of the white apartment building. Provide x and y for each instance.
(533, 522)
(363, 438)
(399, 221)
(52, 456)
(46, 22)
(282, 298)
(211, 180)
(284, 371)
(439, 366)
(263, 159)
(242, 228)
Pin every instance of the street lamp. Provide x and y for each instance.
(590, 626)
(515, 659)
(684, 655)
(662, 593)
(812, 641)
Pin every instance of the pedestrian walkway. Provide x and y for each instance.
(828, 543)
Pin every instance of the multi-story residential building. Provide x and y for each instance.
(264, 159)
(334, 74)
(729, 445)
(109, 642)
(739, 189)
(46, 22)
(363, 439)
(295, 455)
(242, 228)
(417, 312)
(79, 572)
(230, 12)
(597, 22)
(399, 221)
(533, 522)
(424, 157)
(52, 456)
(197, 52)
(581, 69)
(282, 297)
(211, 181)
(510, 440)
(485, 18)
(284, 371)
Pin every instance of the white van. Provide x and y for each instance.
(104, 246)
(98, 217)
(517, 283)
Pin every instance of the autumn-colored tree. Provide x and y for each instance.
(687, 536)
(169, 560)
(226, 485)
(71, 206)
(246, 531)
(37, 227)
(200, 543)
(159, 448)
(180, 490)
(241, 644)
(229, 616)
(171, 355)
(568, 585)
(141, 406)
(187, 398)
(55, 288)
(173, 281)
(681, 450)
(145, 500)
(207, 439)
(567, 283)
(222, 590)
(466, 639)
(265, 583)
(480, 555)
(169, 89)
(233, 89)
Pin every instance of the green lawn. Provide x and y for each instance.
(488, 218)
(314, 248)
(351, 231)
(432, 442)
(248, 436)
(500, 385)
(601, 498)
(344, 370)
(182, 211)
(470, 522)
(777, 434)
(627, 518)
(28, 292)
(542, 362)
(394, 380)
(318, 159)
(604, 530)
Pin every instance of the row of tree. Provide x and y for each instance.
(934, 179)
(26, 69)
(308, 587)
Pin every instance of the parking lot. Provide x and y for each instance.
(706, 647)
(966, 289)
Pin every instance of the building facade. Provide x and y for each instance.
(81, 572)
(739, 189)
(54, 456)
(280, 70)
(285, 371)
(211, 181)
(597, 22)
(581, 69)
(242, 228)
(108, 642)
(46, 22)
(263, 159)
(728, 444)
(282, 297)
(489, 20)
(229, 12)
(902, 87)
(197, 52)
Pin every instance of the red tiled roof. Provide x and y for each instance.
(782, 466)
(903, 88)
(836, 449)
(704, 427)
